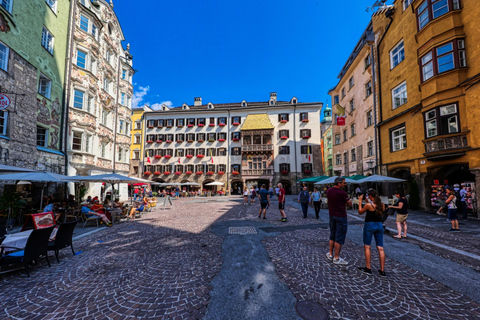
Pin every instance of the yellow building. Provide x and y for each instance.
(138, 141)
(428, 85)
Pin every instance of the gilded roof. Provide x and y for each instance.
(256, 122)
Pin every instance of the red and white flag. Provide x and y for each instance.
(178, 160)
(148, 159)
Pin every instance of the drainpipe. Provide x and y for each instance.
(295, 146)
(228, 153)
(374, 109)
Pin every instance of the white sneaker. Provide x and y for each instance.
(329, 256)
(340, 261)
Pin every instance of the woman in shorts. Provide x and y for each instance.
(402, 214)
(245, 196)
(373, 227)
(253, 194)
(452, 209)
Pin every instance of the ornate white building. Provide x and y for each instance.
(238, 144)
(100, 95)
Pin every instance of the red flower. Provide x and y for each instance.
(167, 156)
(305, 120)
(147, 173)
(188, 172)
(211, 125)
(149, 141)
(307, 171)
(221, 172)
(221, 140)
(189, 156)
(222, 124)
(235, 124)
(169, 126)
(283, 121)
(210, 173)
(200, 155)
(306, 137)
(235, 173)
(284, 137)
(189, 125)
(284, 172)
(150, 126)
(157, 173)
(189, 141)
(201, 125)
(168, 141)
(178, 173)
(199, 173)
(179, 141)
(200, 140)
(157, 156)
(159, 141)
(180, 126)
(235, 139)
(166, 173)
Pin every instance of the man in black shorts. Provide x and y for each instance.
(264, 198)
(281, 202)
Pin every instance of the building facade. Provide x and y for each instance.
(429, 93)
(239, 144)
(100, 95)
(327, 148)
(33, 49)
(138, 140)
(354, 140)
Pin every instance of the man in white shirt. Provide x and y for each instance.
(277, 190)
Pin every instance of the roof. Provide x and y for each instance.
(257, 122)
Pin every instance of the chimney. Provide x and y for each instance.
(197, 101)
(273, 96)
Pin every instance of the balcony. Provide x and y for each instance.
(446, 147)
(257, 147)
(257, 172)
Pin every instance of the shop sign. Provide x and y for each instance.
(340, 121)
(435, 182)
(4, 101)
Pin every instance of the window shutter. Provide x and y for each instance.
(390, 139)
(288, 133)
(279, 117)
(288, 117)
(288, 149)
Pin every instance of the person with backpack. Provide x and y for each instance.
(451, 202)
(402, 214)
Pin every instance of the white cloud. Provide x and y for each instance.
(138, 97)
(158, 106)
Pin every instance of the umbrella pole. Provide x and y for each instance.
(41, 197)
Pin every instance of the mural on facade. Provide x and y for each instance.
(3, 24)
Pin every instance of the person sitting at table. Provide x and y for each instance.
(89, 199)
(71, 200)
(141, 208)
(22, 202)
(89, 213)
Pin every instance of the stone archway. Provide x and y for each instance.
(237, 186)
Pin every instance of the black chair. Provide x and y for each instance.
(3, 228)
(2, 238)
(36, 246)
(63, 238)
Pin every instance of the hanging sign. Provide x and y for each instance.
(4, 101)
(340, 121)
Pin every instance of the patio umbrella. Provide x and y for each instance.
(37, 176)
(379, 178)
(215, 183)
(332, 180)
(313, 179)
(5, 168)
(190, 184)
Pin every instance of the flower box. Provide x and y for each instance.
(211, 125)
(235, 173)
(157, 173)
(167, 156)
(211, 140)
(306, 137)
(236, 124)
(283, 121)
(157, 156)
(307, 171)
(235, 139)
(284, 137)
(180, 126)
(221, 140)
(169, 126)
(210, 173)
(221, 172)
(150, 126)
(189, 141)
(168, 141)
(222, 124)
(149, 141)
(305, 120)
(159, 141)
(200, 140)
(284, 172)
(188, 172)
(200, 155)
(201, 125)
(189, 125)
(178, 173)
(179, 141)
(166, 173)
(199, 173)
(189, 156)
(147, 173)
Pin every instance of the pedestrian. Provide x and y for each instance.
(270, 192)
(463, 201)
(373, 227)
(253, 194)
(358, 191)
(452, 209)
(277, 190)
(264, 198)
(245, 196)
(317, 201)
(401, 207)
(304, 199)
(281, 202)
(441, 201)
(337, 201)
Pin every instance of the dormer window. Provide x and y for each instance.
(210, 106)
(185, 106)
(272, 102)
(294, 101)
(244, 103)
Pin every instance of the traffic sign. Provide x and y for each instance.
(4, 101)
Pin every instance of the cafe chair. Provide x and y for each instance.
(63, 238)
(35, 248)
(2, 238)
(85, 218)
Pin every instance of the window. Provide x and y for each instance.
(350, 83)
(81, 59)
(44, 86)
(94, 31)
(236, 136)
(283, 133)
(369, 118)
(124, 74)
(222, 135)
(78, 99)
(4, 51)
(106, 85)
(343, 93)
(397, 55)
(432, 9)
(77, 141)
(160, 123)
(84, 23)
(345, 135)
(47, 40)
(236, 151)
(90, 104)
(285, 167)
(189, 167)
(284, 150)
(283, 117)
(352, 129)
(136, 139)
(52, 4)
(336, 100)
(369, 148)
(138, 125)
(222, 151)
(7, 4)
(170, 123)
(444, 58)
(180, 122)
(303, 116)
(353, 155)
(345, 157)
(368, 89)
(222, 121)
(442, 120)
(201, 137)
(211, 152)
(120, 126)
(221, 167)
(190, 152)
(179, 152)
(42, 136)
(305, 150)
(352, 104)
(122, 98)
(169, 137)
(398, 138)
(180, 137)
(307, 167)
(236, 120)
(136, 154)
(399, 95)
(3, 122)
(190, 122)
(120, 154)
(305, 133)
(337, 139)
(367, 61)
(103, 150)
(406, 3)
(201, 121)
(338, 159)
(104, 118)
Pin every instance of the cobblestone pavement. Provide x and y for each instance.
(162, 265)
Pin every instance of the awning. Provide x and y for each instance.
(313, 179)
(357, 177)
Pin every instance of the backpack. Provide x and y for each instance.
(458, 201)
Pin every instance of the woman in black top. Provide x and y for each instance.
(402, 214)
(373, 227)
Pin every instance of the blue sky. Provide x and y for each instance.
(228, 51)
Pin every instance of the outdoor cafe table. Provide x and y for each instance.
(16, 240)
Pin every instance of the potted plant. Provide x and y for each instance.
(211, 125)
(307, 171)
(211, 140)
(9, 204)
(167, 156)
(284, 137)
(157, 156)
(189, 156)
(189, 125)
(179, 141)
(159, 141)
(210, 173)
(221, 140)
(235, 139)
(149, 141)
(305, 120)
(166, 173)
(201, 125)
(168, 141)
(200, 140)
(283, 121)
(189, 141)
(236, 124)
(200, 155)
(157, 173)
(189, 172)
(221, 172)
(221, 124)
(235, 173)
(284, 172)
(147, 173)
(306, 137)
(177, 173)
(198, 173)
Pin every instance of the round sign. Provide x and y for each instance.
(4, 101)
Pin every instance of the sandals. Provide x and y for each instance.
(397, 237)
(404, 237)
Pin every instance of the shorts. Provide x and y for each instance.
(264, 205)
(281, 205)
(252, 197)
(402, 218)
(452, 214)
(338, 229)
(373, 229)
(177, 194)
